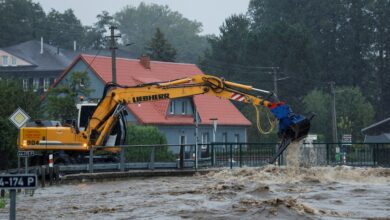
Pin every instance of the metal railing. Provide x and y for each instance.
(151, 157)
(357, 154)
(235, 155)
(241, 154)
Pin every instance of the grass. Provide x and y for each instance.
(2, 203)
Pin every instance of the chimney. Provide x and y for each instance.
(74, 45)
(41, 45)
(145, 61)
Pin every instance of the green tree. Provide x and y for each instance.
(160, 49)
(138, 24)
(12, 96)
(20, 20)
(318, 101)
(62, 98)
(229, 49)
(353, 112)
(95, 36)
(63, 28)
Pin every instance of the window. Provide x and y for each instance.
(205, 138)
(172, 107)
(25, 85)
(46, 84)
(236, 139)
(5, 60)
(13, 61)
(224, 137)
(184, 108)
(35, 84)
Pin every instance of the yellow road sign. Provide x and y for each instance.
(19, 118)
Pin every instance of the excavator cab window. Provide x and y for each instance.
(85, 113)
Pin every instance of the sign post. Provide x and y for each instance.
(346, 141)
(26, 155)
(14, 182)
(19, 118)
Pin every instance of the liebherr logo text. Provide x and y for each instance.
(150, 97)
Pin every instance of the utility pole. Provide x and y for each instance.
(334, 122)
(275, 73)
(275, 81)
(113, 48)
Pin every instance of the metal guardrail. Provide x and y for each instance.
(151, 157)
(231, 155)
(241, 154)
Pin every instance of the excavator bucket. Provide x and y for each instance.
(292, 127)
(299, 130)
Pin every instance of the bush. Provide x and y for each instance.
(12, 96)
(146, 135)
(3, 203)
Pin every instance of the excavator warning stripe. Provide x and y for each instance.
(238, 97)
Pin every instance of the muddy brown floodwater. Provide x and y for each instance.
(269, 192)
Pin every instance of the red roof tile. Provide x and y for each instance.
(131, 72)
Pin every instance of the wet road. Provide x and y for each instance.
(249, 193)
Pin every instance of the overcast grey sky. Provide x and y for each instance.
(211, 13)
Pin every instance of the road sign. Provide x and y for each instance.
(18, 181)
(28, 153)
(346, 139)
(19, 118)
(14, 182)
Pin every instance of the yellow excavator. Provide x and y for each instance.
(104, 124)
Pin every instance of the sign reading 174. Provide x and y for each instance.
(18, 181)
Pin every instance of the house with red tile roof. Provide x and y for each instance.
(175, 118)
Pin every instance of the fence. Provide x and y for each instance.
(236, 155)
(317, 154)
(149, 157)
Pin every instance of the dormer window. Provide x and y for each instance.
(184, 108)
(172, 107)
(5, 60)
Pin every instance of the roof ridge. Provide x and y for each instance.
(131, 59)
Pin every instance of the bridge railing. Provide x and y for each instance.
(221, 154)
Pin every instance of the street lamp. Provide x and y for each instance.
(215, 124)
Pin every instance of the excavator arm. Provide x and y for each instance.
(292, 127)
